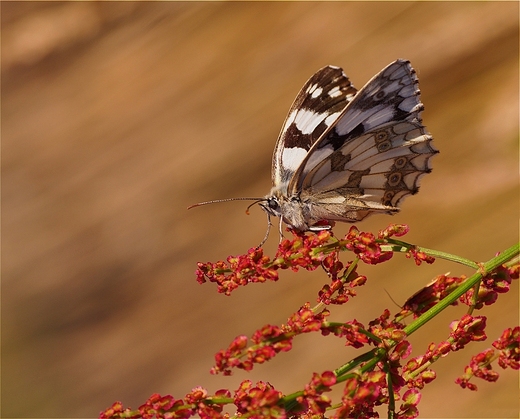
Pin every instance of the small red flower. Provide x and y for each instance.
(385, 329)
(509, 346)
(480, 365)
(365, 246)
(260, 401)
(313, 401)
(419, 256)
(361, 395)
(467, 329)
(267, 342)
(408, 409)
(351, 331)
(196, 395)
(114, 411)
(493, 284)
(158, 406)
(397, 230)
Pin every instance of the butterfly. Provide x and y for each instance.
(344, 154)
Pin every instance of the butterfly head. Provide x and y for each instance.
(271, 205)
(290, 209)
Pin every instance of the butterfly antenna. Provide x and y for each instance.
(257, 200)
(227, 200)
(254, 203)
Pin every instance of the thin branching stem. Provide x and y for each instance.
(484, 269)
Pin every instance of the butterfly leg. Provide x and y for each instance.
(280, 230)
(269, 225)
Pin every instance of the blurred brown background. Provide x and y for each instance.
(117, 116)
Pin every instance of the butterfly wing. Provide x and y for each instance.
(372, 155)
(316, 107)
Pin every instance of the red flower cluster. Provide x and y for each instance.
(415, 372)
(384, 329)
(352, 331)
(255, 267)
(196, 402)
(463, 331)
(270, 340)
(303, 251)
(419, 256)
(313, 401)
(495, 283)
(307, 251)
(365, 246)
(239, 270)
(509, 347)
(481, 364)
(466, 330)
(362, 394)
(259, 402)
(267, 342)
(343, 280)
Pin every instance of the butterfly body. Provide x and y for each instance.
(302, 211)
(343, 155)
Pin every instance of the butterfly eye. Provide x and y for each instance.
(273, 204)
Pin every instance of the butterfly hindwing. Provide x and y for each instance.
(316, 107)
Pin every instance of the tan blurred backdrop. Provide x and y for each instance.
(117, 116)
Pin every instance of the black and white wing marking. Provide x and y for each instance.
(372, 155)
(317, 106)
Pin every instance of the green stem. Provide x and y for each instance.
(463, 288)
(373, 357)
(403, 247)
(391, 395)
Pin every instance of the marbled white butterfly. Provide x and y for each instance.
(344, 154)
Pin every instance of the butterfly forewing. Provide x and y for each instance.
(373, 154)
(317, 106)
